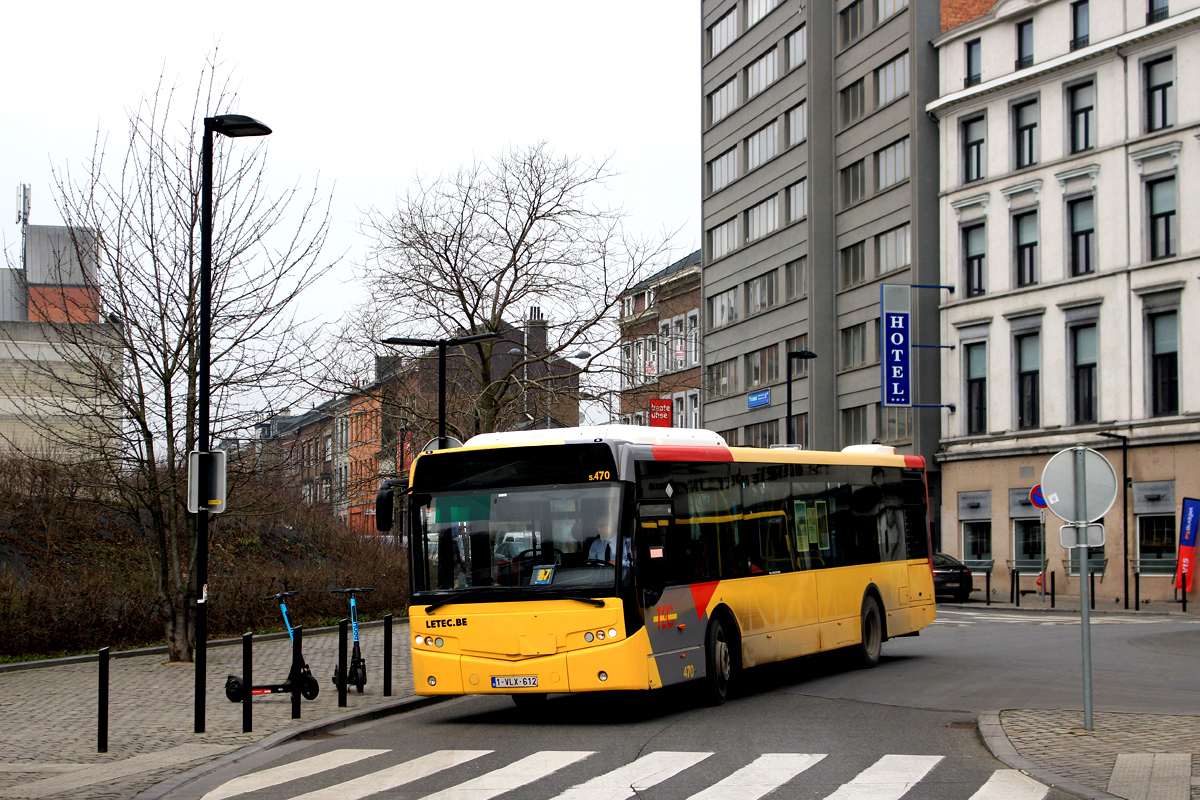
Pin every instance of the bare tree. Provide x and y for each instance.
(478, 250)
(127, 362)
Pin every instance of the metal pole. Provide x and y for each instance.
(297, 663)
(441, 395)
(387, 655)
(1017, 587)
(1092, 589)
(247, 682)
(790, 438)
(1137, 588)
(1081, 532)
(102, 705)
(1052, 589)
(1125, 513)
(201, 654)
(987, 590)
(342, 625)
(1183, 591)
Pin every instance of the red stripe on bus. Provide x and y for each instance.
(915, 461)
(678, 452)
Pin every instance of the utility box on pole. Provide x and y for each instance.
(214, 463)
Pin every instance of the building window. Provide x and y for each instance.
(722, 170)
(895, 424)
(762, 218)
(974, 63)
(974, 134)
(798, 124)
(693, 337)
(891, 164)
(650, 365)
(800, 430)
(854, 426)
(1083, 117)
(730, 436)
(886, 9)
(893, 249)
(762, 366)
(1083, 378)
(693, 400)
(1083, 231)
(1029, 359)
(975, 359)
(721, 379)
(722, 309)
(1164, 364)
(1160, 94)
(797, 45)
(723, 101)
(1162, 218)
(891, 80)
(761, 73)
(854, 183)
(1024, 44)
(762, 146)
(1029, 540)
(757, 9)
(764, 434)
(678, 418)
(1080, 24)
(666, 347)
(975, 259)
(795, 278)
(797, 196)
(977, 540)
(1156, 544)
(722, 238)
(1025, 233)
(1157, 12)
(1025, 125)
(854, 346)
(854, 270)
(723, 32)
(761, 292)
(852, 23)
(854, 103)
(797, 367)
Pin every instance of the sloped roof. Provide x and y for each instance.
(957, 12)
(687, 262)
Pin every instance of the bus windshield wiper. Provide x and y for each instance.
(454, 598)
(590, 600)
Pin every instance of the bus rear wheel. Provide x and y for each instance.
(719, 661)
(872, 633)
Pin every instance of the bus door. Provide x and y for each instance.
(674, 612)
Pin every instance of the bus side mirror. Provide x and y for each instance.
(384, 507)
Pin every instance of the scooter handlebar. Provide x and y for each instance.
(355, 590)
(282, 595)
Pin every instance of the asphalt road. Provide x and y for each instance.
(809, 728)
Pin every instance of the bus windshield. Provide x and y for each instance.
(540, 539)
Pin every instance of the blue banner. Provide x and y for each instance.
(1187, 544)
(897, 369)
(759, 398)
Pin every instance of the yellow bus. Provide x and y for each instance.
(624, 557)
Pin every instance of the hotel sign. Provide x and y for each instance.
(895, 346)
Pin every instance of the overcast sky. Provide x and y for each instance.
(366, 95)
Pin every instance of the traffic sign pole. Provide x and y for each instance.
(1081, 522)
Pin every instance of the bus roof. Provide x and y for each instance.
(634, 434)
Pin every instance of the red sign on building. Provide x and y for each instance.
(660, 412)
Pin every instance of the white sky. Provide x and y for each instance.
(367, 94)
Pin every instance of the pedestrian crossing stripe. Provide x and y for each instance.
(889, 778)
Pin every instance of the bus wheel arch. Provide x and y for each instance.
(722, 654)
(873, 591)
(866, 652)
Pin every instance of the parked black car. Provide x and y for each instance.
(952, 577)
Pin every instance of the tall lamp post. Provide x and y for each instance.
(441, 345)
(1124, 505)
(802, 356)
(233, 126)
(523, 381)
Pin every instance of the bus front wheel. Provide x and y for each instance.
(872, 633)
(719, 658)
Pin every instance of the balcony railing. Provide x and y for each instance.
(1079, 42)
(1157, 14)
(1024, 62)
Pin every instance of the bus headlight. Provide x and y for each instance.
(438, 642)
(600, 635)
(420, 640)
(432, 681)
(587, 637)
(603, 676)
(612, 633)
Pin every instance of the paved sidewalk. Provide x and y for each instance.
(48, 715)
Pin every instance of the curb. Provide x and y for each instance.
(282, 737)
(161, 649)
(1072, 611)
(996, 739)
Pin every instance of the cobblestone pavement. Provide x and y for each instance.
(1057, 742)
(48, 715)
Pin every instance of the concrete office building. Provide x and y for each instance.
(1070, 161)
(820, 184)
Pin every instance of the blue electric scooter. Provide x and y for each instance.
(299, 678)
(356, 673)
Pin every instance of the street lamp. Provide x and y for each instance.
(1124, 504)
(802, 355)
(518, 350)
(441, 345)
(233, 126)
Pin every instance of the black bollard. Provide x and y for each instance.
(1092, 581)
(1052, 590)
(387, 655)
(297, 663)
(1012, 585)
(987, 584)
(1137, 590)
(102, 705)
(247, 682)
(1017, 587)
(1183, 591)
(342, 625)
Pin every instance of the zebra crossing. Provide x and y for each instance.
(891, 777)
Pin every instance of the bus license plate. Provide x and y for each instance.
(521, 682)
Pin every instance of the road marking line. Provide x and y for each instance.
(1152, 776)
(1011, 784)
(624, 782)
(513, 776)
(303, 768)
(889, 778)
(34, 766)
(761, 776)
(102, 773)
(391, 777)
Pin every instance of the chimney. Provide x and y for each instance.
(535, 331)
